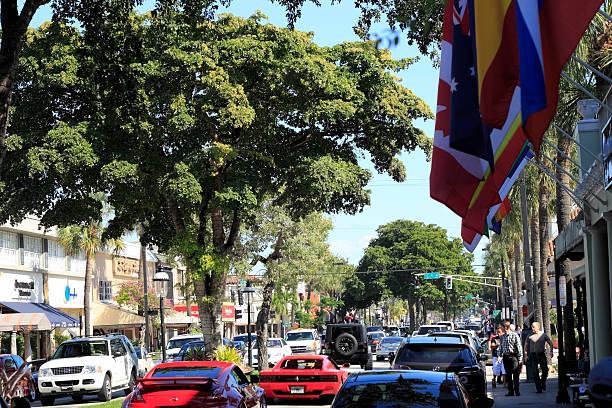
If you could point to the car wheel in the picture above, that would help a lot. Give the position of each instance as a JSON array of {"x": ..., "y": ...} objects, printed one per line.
[
  {"x": 346, "y": 345},
  {"x": 20, "y": 403},
  {"x": 46, "y": 401},
  {"x": 106, "y": 393},
  {"x": 77, "y": 397},
  {"x": 131, "y": 384}
]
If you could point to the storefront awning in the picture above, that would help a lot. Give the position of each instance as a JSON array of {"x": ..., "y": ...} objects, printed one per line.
[
  {"x": 105, "y": 315},
  {"x": 24, "y": 321},
  {"x": 57, "y": 318}
]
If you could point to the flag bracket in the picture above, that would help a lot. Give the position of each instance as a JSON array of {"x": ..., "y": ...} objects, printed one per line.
[
  {"x": 586, "y": 91},
  {"x": 592, "y": 69},
  {"x": 563, "y": 186}
]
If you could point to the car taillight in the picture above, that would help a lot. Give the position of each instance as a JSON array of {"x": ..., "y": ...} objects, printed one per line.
[
  {"x": 328, "y": 378},
  {"x": 375, "y": 342},
  {"x": 136, "y": 397}
]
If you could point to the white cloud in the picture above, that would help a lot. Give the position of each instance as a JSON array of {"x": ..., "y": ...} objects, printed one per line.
[
  {"x": 343, "y": 248},
  {"x": 365, "y": 241}
]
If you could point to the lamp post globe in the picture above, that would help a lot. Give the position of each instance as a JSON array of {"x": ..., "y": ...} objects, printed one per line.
[
  {"x": 160, "y": 282},
  {"x": 249, "y": 290}
]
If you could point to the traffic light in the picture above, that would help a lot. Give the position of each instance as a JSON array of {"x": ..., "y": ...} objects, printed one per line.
[
  {"x": 233, "y": 295},
  {"x": 449, "y": 282},
  {"x": 238, "y": 313},
  {"x": 240, "y": 299}
]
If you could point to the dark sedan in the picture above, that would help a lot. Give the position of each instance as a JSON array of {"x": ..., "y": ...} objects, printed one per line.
[
  {"x": 402, "y": 388},
  {"x": 445, "y": 354},
  {"x": 194, "y": 384}
]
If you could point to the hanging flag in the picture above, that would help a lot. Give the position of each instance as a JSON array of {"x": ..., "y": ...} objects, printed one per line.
[
  {"x": 495, "y": 39},
  {"x": 548, "y": 33}
]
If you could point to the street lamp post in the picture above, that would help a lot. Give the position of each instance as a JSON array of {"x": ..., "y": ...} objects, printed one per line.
[
  {"x": 161, "y": 280},
  {"x": 249, "y": 290}
]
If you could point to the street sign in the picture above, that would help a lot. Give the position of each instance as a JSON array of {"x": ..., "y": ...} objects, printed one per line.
[
  {"x": 562, "y": 291},
  {"x": 431, "y": 275},
  {"x": 228, "y": 312},
  {"x": 243, "y": 282},
  {"x": 496, "y": 313}
]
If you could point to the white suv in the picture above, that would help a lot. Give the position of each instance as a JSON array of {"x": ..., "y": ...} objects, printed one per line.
[
  {"x": 304, "y": 341},
  {"x": 89, "y": 365}
]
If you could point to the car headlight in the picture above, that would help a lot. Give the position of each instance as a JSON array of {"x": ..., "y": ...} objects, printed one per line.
[
  {"x": 45, "y": 372},
  {"x": 89, "y": 369}
]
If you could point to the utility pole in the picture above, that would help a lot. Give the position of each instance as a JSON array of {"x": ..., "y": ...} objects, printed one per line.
[
  {"x": 526, "y": 253},
  {"x": 503, "y": 296},
  {"x": 143, "y": 259}
]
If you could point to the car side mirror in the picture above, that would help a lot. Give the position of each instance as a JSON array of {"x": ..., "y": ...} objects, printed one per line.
[{"x": 254, "y": 379}]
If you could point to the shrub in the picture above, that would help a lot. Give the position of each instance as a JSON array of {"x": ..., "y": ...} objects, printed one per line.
[{"x": 228, "y": 354}]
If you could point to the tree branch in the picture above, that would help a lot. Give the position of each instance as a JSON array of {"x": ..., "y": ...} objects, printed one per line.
[
  {"x": 234, "y": 230},
  {"x": 276, "y": 253},
  {"x": 175, "y": 214}
]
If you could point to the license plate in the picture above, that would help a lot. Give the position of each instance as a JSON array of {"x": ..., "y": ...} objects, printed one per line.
[
  {"x": 297, "y": 390},
  {"x": 66, "y": 388}
]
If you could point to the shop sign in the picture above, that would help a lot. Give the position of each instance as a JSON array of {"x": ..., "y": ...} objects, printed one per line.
[
  {"x": 68, "y": 294},
  {"x": 24, "y": 288},
  {"x": 552, "y": 292},
  {"x": 125, "y": 266},
  {"x": 562, "y": 291},
  {"x": 228, "y": 312}
]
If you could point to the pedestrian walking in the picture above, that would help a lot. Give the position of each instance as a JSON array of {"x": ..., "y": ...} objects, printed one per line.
[
  {"x": 499, "y": 373},
  {"x": 511, "y": 352},
  {"x": 535, "y": 355}
]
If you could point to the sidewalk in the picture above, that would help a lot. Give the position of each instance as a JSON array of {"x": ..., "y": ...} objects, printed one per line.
[{"x": 528, "y": 397}]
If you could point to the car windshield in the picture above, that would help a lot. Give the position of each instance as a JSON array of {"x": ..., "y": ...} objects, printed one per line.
[
  {"x": 272, "y": 343},
  {"x": 178, "y": 343},
  {"x": 416, "y": 393},
  {"x": 430, "y": 353},
  {"x": 426, "y": 329},
  {"x": 178, "y": 371},
  {"x": 306, "y": 335},
  {"x": 375, "y": 336},
  {"x": 391, "y": 340},
  {"x": 302, "y": 364},
  {"x": 82, "y": 349}
]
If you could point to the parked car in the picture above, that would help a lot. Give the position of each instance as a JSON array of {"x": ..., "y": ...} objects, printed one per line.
[
  {"x": 277, "y": 349},
  {"x": 405, "y": 331},
  {"x": 145, "y": 362},
  {"x": 402, "y": 388},
  {"x": 26, "y": 388},
  {"x": 373, "y": 339},
  {"x": 196, "y": 383},
  {"x": 391, "y": 330},
  {"x": 34, "y": 366},
  {"x": 177, "y": 342},
  {"x": 89, "y": 365},
  {"x": 425, "y": 329},
  {"x": 303, "y": 377},
  {"x": 304, "y": 341},
  {"x": 244, "y": 338},
  {"x": 445, "y": 354},
  {"x": 449, "y": 325},
  {"x": 347, "y": 343},
  {"x": 387, "y": 348}
]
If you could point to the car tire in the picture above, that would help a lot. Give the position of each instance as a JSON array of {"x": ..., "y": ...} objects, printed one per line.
[
  {"x": 20, "y": 403},
  {"x": 106, "y": 392},
  {"x": 47, "y": 401},
  {"x": 346, "y": 339},
  {"x": 77, "y": 397},
  {"x": 131, "y": 384}
]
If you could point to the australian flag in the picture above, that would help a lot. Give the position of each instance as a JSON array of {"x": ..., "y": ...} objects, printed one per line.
[{"x": 467, "y": 132}]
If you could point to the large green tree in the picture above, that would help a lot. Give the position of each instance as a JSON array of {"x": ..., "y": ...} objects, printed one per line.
[
  {"x": 190, "y": 125},
  {"x": 402, "y": 250}
]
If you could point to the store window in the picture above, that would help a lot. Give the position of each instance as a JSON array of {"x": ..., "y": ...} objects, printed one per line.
[
  {"x": 106, "y": 290},
  {"x": 32, "y": 251},
  {"x": 56, "y": 256},
  {"x": 9, "y": 248}
]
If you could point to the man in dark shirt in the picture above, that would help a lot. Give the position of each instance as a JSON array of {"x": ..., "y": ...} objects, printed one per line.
[
  {"x": 535, "y": 354},
  {"x": 511, "y": 352}
]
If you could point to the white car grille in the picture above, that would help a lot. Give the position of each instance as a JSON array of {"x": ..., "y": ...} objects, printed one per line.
[{"x": 67, "y": 370}]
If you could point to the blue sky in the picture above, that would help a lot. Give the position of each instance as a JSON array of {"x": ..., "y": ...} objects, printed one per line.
[{"x": 389, "y": 200}]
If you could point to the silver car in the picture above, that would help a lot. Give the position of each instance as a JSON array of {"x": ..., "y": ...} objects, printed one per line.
[{"x": 388, "y": 346}]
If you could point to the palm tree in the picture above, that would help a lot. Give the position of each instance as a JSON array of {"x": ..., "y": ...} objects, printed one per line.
[{"x": 87, "y": 239}]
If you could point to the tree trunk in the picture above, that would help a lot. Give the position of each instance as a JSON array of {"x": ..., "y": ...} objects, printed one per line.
[
  {"x": 535, "y": 252},
  {"x": 89, "y": 264},
  {"x": 261, "y": 327},
  {"x": 518, "y": 283},
  {"x": 543, "y": 200},
  {"x": 209, "y": 291},
  {"x": 563, "y": 207}
]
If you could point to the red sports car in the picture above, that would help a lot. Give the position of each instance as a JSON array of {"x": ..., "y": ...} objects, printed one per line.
[
  {"x": 303, "y": 377},
  {"x": 196, "y": 384}
]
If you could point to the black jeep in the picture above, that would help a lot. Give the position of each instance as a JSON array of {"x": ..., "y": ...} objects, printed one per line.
[{"x": 348, "y": 343}]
